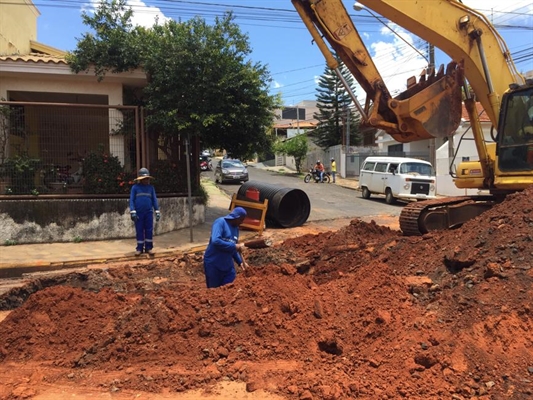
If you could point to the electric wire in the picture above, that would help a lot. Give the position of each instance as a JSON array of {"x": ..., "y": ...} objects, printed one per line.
[{"x": 285, "y": 18}]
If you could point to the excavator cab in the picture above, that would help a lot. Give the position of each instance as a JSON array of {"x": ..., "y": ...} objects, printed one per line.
[
  {"x": 515, "y": 137},
  {"x": 512, "y": 151}
]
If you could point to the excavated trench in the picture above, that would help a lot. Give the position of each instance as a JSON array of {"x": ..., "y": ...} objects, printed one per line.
[{"x": 361, "y": 311}]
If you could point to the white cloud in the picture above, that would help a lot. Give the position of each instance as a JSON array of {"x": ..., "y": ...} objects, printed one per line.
[
  {"x": 143, "y": 15},
  {"x": 396, "y": 58},
  {"x": 396, "y": 61},
  {"x": 146, "y": 16},
  {"x": 276, "y": 85}
]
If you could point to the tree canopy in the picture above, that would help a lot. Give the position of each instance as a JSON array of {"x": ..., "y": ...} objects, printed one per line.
[
  {"x": 333, "y": 103},
  {"x": 295, "y": 147},
  {"x": 200, "y": 79}
]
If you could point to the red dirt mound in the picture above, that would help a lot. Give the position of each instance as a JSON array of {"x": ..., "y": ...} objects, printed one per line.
[{"x": 361, "y": 312}]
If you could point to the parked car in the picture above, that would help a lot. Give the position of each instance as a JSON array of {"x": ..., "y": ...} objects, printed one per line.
[{"x": 231, "y": 171}]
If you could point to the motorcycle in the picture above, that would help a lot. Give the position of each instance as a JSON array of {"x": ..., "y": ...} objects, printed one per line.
[
  {"x": 205, "y": 165},
  {"x": 315, "y": 175}
]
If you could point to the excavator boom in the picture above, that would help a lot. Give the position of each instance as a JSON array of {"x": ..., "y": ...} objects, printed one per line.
[{"x": 428, "y": 108}]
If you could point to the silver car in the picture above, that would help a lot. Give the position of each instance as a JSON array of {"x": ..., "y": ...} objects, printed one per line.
[{"x": 231, "y": 171}]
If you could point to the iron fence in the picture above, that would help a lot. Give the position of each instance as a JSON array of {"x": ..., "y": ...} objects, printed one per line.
[
  {"x": 64, "y": 148},
  {"x": 44, "y": 147}
]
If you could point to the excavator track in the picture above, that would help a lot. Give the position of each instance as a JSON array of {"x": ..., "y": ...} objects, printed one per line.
[{"x": 421, "y": 217}]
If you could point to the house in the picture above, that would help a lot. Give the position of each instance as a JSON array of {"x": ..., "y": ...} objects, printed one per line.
[
  {"x": 461, "y": 148},
  {"x": 55, "y": 117},
  {"x": 33, "y": 72},
  {"x": 291, "y": 121},
  {"x": 300, "y": 119}
]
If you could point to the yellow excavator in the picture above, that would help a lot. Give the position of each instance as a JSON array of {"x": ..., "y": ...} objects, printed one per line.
[{"x": 481, "y": 70}]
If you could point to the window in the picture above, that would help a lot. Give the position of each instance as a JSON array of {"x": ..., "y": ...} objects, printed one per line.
[
  {"x": 369, "y": 166},
  {"x": 416, "y": 169},
  {"x": 381, "y": 167},
  {"x": 393, "y": 168},
  {"x": 395, "y": 150}
]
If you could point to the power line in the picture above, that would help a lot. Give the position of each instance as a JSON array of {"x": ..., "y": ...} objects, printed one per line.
[{"x": 285, "y": 18}]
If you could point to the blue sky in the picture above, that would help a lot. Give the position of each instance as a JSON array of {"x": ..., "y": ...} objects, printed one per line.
[{"x": 280, "y": 40}]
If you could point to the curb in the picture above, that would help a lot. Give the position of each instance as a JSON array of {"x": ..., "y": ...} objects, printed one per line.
[{"x": 14, "y": 270}]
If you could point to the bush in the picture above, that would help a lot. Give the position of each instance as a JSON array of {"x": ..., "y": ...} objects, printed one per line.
[
  {"x": 168, "y": 178},
  {"x": 21, "y": 171},
  {"x": 104, "y": 174}
]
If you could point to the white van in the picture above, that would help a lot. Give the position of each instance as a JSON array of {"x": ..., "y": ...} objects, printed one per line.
[{"x": 397, "y": 178}]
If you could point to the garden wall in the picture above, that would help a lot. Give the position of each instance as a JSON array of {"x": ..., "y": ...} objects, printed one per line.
[{"x": 82, "y": 219}]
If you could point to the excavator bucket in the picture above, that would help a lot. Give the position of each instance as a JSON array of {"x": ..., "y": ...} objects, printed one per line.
[{"x": 431, "y": 107}]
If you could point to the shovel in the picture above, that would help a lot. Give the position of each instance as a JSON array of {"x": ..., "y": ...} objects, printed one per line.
[
  {"x": 260, "y": 243},
  {"x": 243, "y": 262}
]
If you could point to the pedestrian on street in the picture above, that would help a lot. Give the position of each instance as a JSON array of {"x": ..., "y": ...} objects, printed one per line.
[
  {"x": 223, "y": 250},
  {"x": 143, "y": 202},
  {"x": 333, "y": 169}
]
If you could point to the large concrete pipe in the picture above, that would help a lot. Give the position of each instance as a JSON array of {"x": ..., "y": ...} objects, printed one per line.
[{"x": 287, "y": 207}]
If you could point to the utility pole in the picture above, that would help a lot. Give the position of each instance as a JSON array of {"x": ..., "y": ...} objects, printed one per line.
[
  {"x": 297, "y": 120},
  {"x": 433, "y": 141},
  {"x": 347, "y": 128},
  {"x": 344, "y": 168}
]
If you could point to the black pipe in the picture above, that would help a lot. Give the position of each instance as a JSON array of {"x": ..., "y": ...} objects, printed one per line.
[{"x": 287, "y": 207}]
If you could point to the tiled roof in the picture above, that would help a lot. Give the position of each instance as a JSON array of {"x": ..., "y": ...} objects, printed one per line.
[
  {"x": 483, "y": 117},
  {"x": 34, "y": 58}
]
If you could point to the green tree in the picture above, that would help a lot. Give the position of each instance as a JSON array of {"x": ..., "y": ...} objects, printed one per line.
[
  {"x": 295, "y": 147},
  {"x": 201, "y": 81},
  {"x": 332, "y": 100},
  {"x": 115, "y": 46}
]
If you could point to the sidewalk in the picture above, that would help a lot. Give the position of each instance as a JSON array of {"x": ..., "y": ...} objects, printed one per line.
[{"x": 24, "y": 258}]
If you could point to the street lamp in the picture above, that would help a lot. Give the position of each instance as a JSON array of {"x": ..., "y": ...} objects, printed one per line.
[{"x": 358, "y": 7}]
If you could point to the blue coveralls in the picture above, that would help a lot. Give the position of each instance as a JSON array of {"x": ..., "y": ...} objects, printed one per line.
[
  {"x": 221, "y": 253},
  {"x": 144, "y": 201}
]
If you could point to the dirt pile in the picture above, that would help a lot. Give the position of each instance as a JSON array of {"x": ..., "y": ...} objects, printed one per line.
[{"x": 361, "y": 312}]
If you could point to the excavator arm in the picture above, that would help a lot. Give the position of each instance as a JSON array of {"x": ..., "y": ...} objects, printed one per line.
[{"x": 430, "y": 107}]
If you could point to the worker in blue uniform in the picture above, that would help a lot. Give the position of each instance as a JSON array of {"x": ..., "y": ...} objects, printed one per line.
[
  {"x": 223, "y": 250},
  {"x": 143, "y": 202}
]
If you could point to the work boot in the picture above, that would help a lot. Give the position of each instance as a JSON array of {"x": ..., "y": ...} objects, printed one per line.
[
  {"x": 138, "y": 253},
  {"x": 151, "y": 252}
]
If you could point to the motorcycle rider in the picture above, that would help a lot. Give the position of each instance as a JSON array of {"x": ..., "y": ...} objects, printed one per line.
[{"x": 319, "y": 170}]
